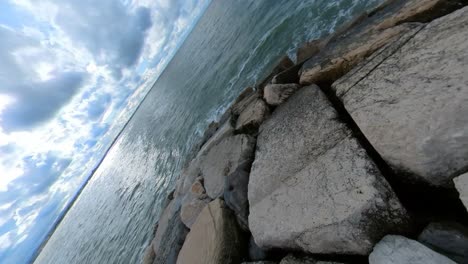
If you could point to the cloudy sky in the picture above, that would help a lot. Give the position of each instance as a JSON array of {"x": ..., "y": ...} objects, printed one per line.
[{"x": 71, "y": 72}]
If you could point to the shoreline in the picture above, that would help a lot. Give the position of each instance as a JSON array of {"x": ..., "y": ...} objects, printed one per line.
[{"x": 264, "y": 184}]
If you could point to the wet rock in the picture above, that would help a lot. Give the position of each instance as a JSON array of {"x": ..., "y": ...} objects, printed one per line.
[
  {"x": 214, "y": 237},
  {"x": 313, "y": 188},
  {"x": 169, "y": 236},
  {"x": 224, "y": 159},
  {"x": 412, "y": 105},
  {"x": 148, "y": 256},
  {"x": 276, "y": 94},
  {"x": 449, "y": 239},
  {"x": 400, "y": 250},
  {"x": 252, "y": 116},
  {"x": 461, "y": 183},
  {"x": 309, "y": 49}
]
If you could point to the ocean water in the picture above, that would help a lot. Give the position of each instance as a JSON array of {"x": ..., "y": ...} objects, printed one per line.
[{"x": 234, "y": 45}]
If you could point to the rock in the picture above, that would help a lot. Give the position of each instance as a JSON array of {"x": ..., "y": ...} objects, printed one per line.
[
  {"x": 255, "y": 252},
  {"x": 366, "y": 34},
  {"x": 291, "y": 259},
  {"x": 224, "y": 159},
  {"x": 191, "y": 209},
  {"x": 313, "y": 188},
  {"x": 259, "y": 262},
  {"x": 290, "y": 75},
  {"x": 224, "y": 131},
  {"x": 284, "y": 63},
  {"x": 335, "y": 66},
  {"x": 400, "y": 250},
  {"x": 235, "y": 193},
  {"x": 449, "y": 239},
  {"x": 187, "y": 177},
  {"x": 197, "y": 187},
  {"x": 309, "y": 49},
  {"x": 243, "y": 100},
  {"x": 169, "y": 236},
  {"x": 253, "y": 115},
  {"x": 194, "y": 202},
  {"x": 214, "y": 238},
  {"x": 461, "y": 183},
  {"x": 276, "y": 94},
  {"x": 412, "y": 105},
  {"x": 148, "y": 256}
]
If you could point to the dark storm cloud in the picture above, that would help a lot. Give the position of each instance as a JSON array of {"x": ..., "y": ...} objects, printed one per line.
[
  {"x": 39, "y": 101},
  {"x": 109, "y": 30}
]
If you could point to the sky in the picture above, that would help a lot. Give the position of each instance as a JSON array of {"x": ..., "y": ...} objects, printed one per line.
[{"x": 71, "y": 73}]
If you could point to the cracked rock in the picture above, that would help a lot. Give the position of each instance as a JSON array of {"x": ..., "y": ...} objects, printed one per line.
[
  {"x": 312, "y": 187},
  {"x": 214, "y": 238},
  {"x": 412, "y": 105},
  {"x": 276, "y": 94}
]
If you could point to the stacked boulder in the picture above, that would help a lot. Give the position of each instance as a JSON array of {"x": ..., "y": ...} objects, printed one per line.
[{"x": 310, "y": 166}]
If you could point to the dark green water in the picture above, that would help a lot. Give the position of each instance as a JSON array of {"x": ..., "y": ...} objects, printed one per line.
[{"x": 234, "y": 45}]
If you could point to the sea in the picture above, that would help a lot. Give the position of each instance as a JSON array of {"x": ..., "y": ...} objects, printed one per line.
[{"x": 235, "y": 44}]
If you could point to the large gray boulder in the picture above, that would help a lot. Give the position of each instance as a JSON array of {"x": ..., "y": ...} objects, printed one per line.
[
  {"x": 169, "y": 236},
  {"x": 224, "y": 159},
  {"x": 214, "y": 238},
  {"x": 401, "y": 250},
  {"x": 412, "y": 103},
  {"x": 449, "y": 239},
  {"x": 312, "y": 187},
  {"x": 461, "y": 183},
  {"x": 223, "y": 132}
]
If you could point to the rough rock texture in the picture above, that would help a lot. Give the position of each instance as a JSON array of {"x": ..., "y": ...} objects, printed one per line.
[
  {"x": 339, "y": 64},
  {"x": 170, "y": 235},
  {"x": 283, "y": 64},
  {"x": 413, "y": 105},
  {"x": 214, "y": 238},
  {"x": 312, "y": 187},
  {"x": 290, "y": 75},
  {"x": 400, "y": 250},
  {"x": 252, "y": 116},
  {"x": 461, "y": 183},
  {"x": 243, "y": 100},
  {"x": 291, "y": 259},
  {"x": 194, "y": 202},
  {"x": 276, "y": 94},
  {"x": 148, "y": 256},
  {"x": 366, "y": 34},
  {"x": 309, "y": 49},
  {"x": 224, "y": 159},
  {"x": 223, "y": 132},
  {"x": 449, "y": 239},
  {"x": 235, "y": 193}
]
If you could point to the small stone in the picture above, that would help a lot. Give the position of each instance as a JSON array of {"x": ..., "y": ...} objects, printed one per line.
[
  {"x": 401, "y": 250},
  {"x": 276, "y": 94},
  {"x": 197, "y": 188}
]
